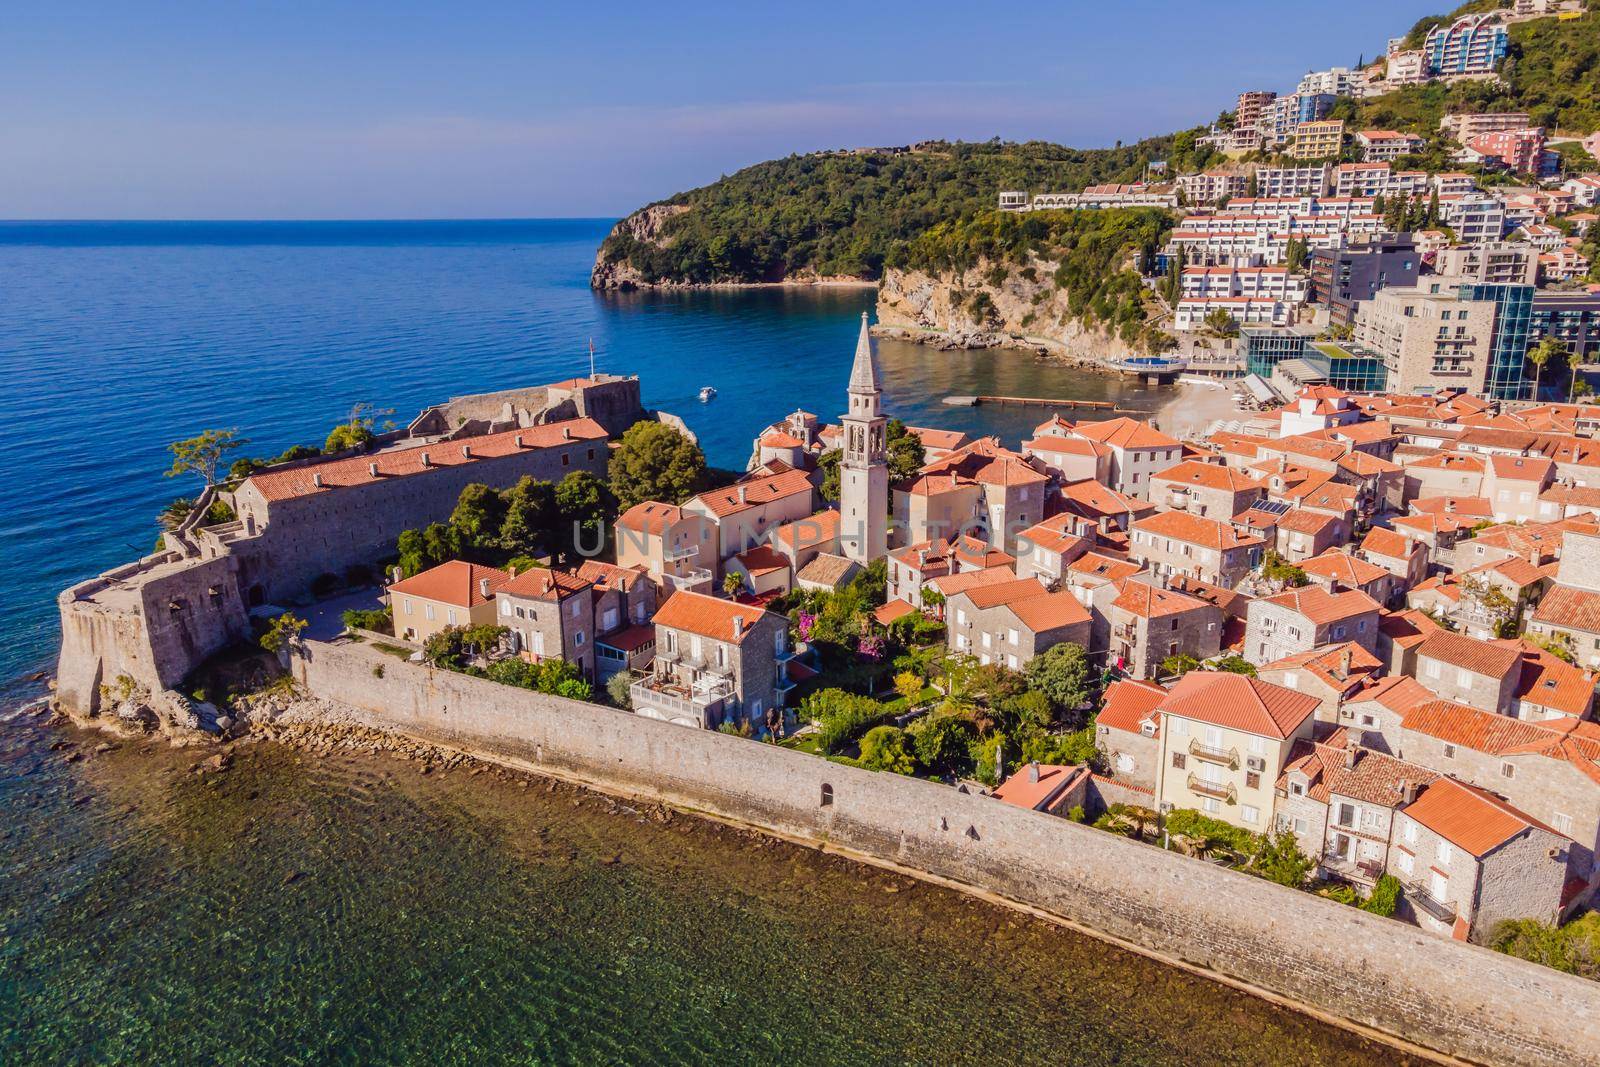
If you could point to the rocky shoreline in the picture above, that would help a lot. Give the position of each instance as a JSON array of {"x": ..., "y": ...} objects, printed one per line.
[{"x": 976, "y": 340}]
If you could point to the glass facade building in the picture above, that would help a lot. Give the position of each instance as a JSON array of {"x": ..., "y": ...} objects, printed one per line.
[
  {"x": 1267, "y": 346},
  {"x": 1508, "y": 376}
]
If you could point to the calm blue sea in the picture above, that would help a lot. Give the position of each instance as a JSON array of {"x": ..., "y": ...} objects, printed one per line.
[{"x": 117, "y": 338}]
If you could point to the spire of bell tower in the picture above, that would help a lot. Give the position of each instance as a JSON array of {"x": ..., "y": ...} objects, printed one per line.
[{"x": 864, "y": 372}]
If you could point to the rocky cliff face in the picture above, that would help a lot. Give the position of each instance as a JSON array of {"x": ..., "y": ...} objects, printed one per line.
[
  {"x": 644, "y": 225},
  {"x": 967, "y": 309}
]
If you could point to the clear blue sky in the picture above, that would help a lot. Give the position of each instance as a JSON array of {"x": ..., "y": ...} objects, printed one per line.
[{"x": 492, "y": 109}]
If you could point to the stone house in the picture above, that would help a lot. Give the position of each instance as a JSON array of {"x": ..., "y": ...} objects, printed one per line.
[
  {"x": 1067, "y": 456},
  {"x": 1513, "y": 484},
  {"x": 1172, "y": 543},
  {"x": 828, "y": 572},
  {"x": 1224, "y": 741},
  {"x": 982, "y": 490},
  {"x": 1095, "y": 580},
  {"x": 1304, "y": 534},
  {"x": 1447, "y": 474},
  {"x": 678, "y": 549},
  {"x": 1340, "y": 800},
  {"x": 1011, "y": 622},
  {"x": 716, "y": 662},
  {"x": 742, "y": 515},
  {"x": 1138, "y": 452},
  {"x": 1480, "y": 674},
  {"x": 1551, "y": 770},
  {"x": 1332, "y": 674},
  {"x": 1090, "y": 509},
  {"x": 1570, "y": 611},
  {"x": 455, "y": 593},
  {"x": 1405, "y": 559},
  {"x": 550, "y": 616},
  {"x": 1128, "y": 730},
  {"x": 1050, "y": 788},
  {"x": 1299, "y": 620},
  {"x": 913, "y": 567},
  {"x": 804, "y": 539},
  {"x": 1045, "y": 550},
  {"x": 1400, "y": 634},
  {"x": 1148, "y": 624},
  {"x": 1470, "y": 860},
  {"x": 1372, "y": 713},
  {"x": 1336, "y": 569},
  {"x": 1205, "y": 489}
]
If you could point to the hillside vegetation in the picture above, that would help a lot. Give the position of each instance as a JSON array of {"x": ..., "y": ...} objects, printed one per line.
[{"x": 848, "y": 214}]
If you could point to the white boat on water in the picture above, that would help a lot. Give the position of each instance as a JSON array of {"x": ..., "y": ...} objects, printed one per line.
[{"x": 707, "y": 393}]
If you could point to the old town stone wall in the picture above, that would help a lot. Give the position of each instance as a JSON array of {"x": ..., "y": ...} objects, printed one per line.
[{"x": 1340, "y": 961}]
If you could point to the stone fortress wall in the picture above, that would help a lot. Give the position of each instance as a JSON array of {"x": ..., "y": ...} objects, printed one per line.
[
  {"x": 155, "y": 620},
  {"x": 1339, "y": 961}
]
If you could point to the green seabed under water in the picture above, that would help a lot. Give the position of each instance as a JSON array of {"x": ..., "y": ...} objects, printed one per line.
[{"x": 293, "y": 909}]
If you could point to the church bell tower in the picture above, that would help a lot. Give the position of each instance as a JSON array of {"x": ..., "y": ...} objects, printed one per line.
[{"x": 864, "y": 466}]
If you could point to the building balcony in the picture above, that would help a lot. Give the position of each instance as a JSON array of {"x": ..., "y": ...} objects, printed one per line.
[
  {"x": 696, "y": 579},
  {"x": 1227, "y": 757},
  {"x": 1215, "y": 790},
  {"x": 701, "y": 702},
  {"x": 672, "y": 555},
  {"x": 1366, "y": 870},
  {"x": 1426, "y": 902}
]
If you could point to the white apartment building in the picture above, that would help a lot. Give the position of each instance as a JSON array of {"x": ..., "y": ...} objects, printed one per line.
[
  {"x": 1311, "y": 179},
  {"x": 1191, "y": 314},
  {"x": 1274, "y": 283}
]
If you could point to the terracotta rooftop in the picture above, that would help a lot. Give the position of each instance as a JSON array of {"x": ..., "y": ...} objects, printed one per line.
[
  {"x": 1196, "y": 530},
  {"x": 951, "y": 584},
  {"x": 708, "y": 616},
  {"x": 652, "y": 517},
  {"x": 1321, "y": 606},
  {"x": 1093, "y": 564},
  {"x": 753, "y": 492},
  {"x": 1036, "y": 786},
  {"x": 1398, "y": 693},
  {"x": 1570, "y": 608},
  {"x": 1209, "y": 476},
  {"x": 1307, "y": 522},
  {"x": 1035, "y": 606},
  {"x": 1480, "y": 657},
  {"x": 1522, "y": 468},
  {"x": 1468, "y": 817},
  {"x": 1125, "y": 433},
  {"x": 1408, "y": 628},
  {"x": 1129, "y": 704},
  {"x": 1387, "y": 543},
  {"x": 828, "y": 569},
  {"x": 813, "y": 530},
  {"x": 1238, "y": 702},
  {"x": 1150, "y": 602},
  {"x": 892, "y": 610},
  {"x": 763, "y": 559},
  {"x": 1339, "y": 566},
  {"x": 455, "y": 582},
  {"x": 1052, "y": 534},
  {"x": 1551, "y": 682},
  {"x": 1329, "y": 664},
  {"x": 407, "y": 462}
]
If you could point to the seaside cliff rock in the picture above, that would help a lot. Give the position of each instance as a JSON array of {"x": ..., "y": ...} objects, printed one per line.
[{"x": 965, "y": 309}]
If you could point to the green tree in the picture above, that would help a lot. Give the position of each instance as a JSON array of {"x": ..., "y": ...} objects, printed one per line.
[
  {"x": 1235, "y": 665},
  {"x": 909, "y": 685},
  {"x": 1277, "y": 569},
  {"x": 528, "y": 528},
  {"x": 1295, "y": 254},
  {"x": 478, "y": 516},
  {"x": 1385, "y": 898},
  {"x": 585, "y": 508},
  {"x": 283, "y": 632},
  {"x": 733, "y": 584},
  {"x": 655, "y": 462},
  {"x": 421, "y": 549},
  {"x": 884, "y": 749},
  {"x": 828, "y": 464},
  {"x": 356, "y": 431},
  {"x": 619, "y": 689},
  {"x": 203, "y": 453},
  {"x": 1064, "y": 674},
  {"x": 1221, "y": 324},
  {"x": 943, "y": 742},
  {"x": 906, "y": 455},
  {"x": 1176, "y": 666},
  {"x": 1280, "y": 860}
]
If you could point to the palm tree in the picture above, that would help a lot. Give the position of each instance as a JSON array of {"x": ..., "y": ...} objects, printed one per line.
[{"x": 1543, "y": 353}]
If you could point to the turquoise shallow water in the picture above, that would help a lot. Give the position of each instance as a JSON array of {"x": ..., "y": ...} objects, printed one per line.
[
  {"x": 311, "y": 910},
  {"x": 117, "y": 338}
]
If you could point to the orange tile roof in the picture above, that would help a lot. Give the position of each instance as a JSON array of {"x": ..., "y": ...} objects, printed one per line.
[
  {"x": 1469, "y": 654},
  {"x": 938, "y": 439},
  {"x": 544, "y": 583},
  {"x": 1407, "y": 628},
  {"x": 951, "y": 584},
  {"x": 1151, "y": 602},
  {"x": 407, "y": 462},
  {"x": 1451, "y": 461},
  {"x": 1238, "y": 702},
  {"x": 1570, "y": 608},
  {"x": 1209, "y": 476},
  {"x": 708, "y": 616},
  {"x": 1123, "y": 432},
  {"x": 1522, "y": 468},
  {"x": 1232, "y": 603},
  {"x": 1055, "y": 443},
  {"x": 1327, "y": 663},
  {"x": 1307, "y": 522},
  {"x": 1096, "y": 565},
  {"x": 1398, "y": 693},
  {"x": 1037, "y": 608},
  {"x": 1342, "y": 567},
  {"x": 779, "y": 439},
  {"x": 1129, "y": 704},
  {"x": 892, "y": 610},
  {"x": 1023, "y": 791},
  {"x": 1361, "y": 774},
  {"x": 1365, "y": 465},
  {"x": 1052, "y": 534},
  {"x": 1468, "y": 817},
  {"x": 1196, "y": 530},
  {"x": 1320, "y": 606},
  {"x": 763, "y": 559},
  {"x": 1387, "y": 543},
  {"x": 652, "y": 517},
  {"x": 817, "y": 529},
  {"x": 453, "y": 582},
  {"x": 1551, "y": 682},
  {"x": 610, "y": 576},
  {"x": 754, "y": 492}
]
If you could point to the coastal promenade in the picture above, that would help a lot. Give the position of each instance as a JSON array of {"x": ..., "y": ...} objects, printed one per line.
[{"x": 1334, "y": 961}]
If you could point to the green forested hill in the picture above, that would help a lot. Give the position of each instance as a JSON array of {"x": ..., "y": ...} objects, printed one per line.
[{"x": 848, "y": 213}]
